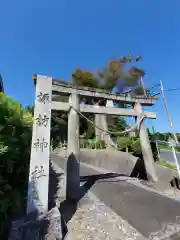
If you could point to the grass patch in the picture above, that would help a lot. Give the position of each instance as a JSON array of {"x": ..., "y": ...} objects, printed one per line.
[{"x": 166, "y": 164}]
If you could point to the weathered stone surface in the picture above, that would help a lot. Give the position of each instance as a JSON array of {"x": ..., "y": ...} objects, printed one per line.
[
  {"x": 100, "y": 93},
  {"x": 46, "y": 226},
  {"x": 146, "y": 147},
  {"x": 40, "y": 148},
  {"x": 94, "y": 220}
]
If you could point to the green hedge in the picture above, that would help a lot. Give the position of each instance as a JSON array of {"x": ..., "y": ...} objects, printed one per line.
[
  {"x": 132, "y": 145},
  {"x": 125, "y": 144},
  {"x": 177, "y": 148},
  {"x": 93, "y": 144},
  {"x": 15, "y": 142},
  {"x": 128, "y": 144}
]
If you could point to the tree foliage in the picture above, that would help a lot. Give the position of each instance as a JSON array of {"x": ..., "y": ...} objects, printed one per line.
[
  {"x": 59, "y": 126},
  {"x": 85, "y": 79},
  {"x": 116, "y": 124},
  {"x": 162, "y": 136},
  {"x": 121, "y": 72},
  {"x": 118, "y": 72},
  {"x": 15, "y": 143}
]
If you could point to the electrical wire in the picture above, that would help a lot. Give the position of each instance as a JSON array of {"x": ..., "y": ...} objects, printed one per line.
[
  {"x": 167, "y": 90},
  {"x": 172, "y": 89}
]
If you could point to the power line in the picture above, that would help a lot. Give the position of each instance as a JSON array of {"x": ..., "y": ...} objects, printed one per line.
[
  {"x": 167, "y": 90},
  {"x": 172, "y": 126},
  {"x": 156, "y": 94},
  {"x": 172, "y": 89},
  {"x": 168, "y": 113}
]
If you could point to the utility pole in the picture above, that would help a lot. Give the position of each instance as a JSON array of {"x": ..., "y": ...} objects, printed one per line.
[
  {"x": 167, "y": 110},
  {"x": 172, "y": 126}
]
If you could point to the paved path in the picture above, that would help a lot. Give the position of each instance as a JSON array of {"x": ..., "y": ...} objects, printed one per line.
[
  {"x": 167, "y": 155},
  {"x": 91, "y": 218},
  {"x": 145, "y": 210}
]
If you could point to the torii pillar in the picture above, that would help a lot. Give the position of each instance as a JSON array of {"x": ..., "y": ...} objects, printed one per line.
[
  {"x": 146, "y": 147},
  {"x": 73, "y": 165}
]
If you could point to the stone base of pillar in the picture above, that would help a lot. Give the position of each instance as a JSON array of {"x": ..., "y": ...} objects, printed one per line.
[
  {"x": 47, "y": 226},
  {"x": 73, "y": 178}
]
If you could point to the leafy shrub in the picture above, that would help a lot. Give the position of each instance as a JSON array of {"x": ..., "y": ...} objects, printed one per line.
[
  {"x": 133, "y": 145},
  {"x": 15, "y": 142},
  {"x": 91, "y": 145},
  {"x": 136, "y": 147},
  {"x": 83, "y": 143},
  {"x": 121, "y": 143},
  {"x": 177, "y": 148},
  {"x": 100, "y": 144},
  {"x": 124, "y": 144}
]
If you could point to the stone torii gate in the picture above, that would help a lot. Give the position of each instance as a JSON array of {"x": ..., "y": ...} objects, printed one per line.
[{"x": 47, "y": 90}]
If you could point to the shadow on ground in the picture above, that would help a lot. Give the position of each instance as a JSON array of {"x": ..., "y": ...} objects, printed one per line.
[
  {"x": 139, "y": 170},
  {"x": 53, "y": 186},
  {"x": 69, "y": 206}
]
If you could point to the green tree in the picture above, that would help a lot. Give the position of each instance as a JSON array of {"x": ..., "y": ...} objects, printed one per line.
[
  {"x": 167, "y": 136},
  {"x": 15, "y": 143},
  {"x": 59, "y": 127},
  {"x": 116, "y": 69},
  {"x": 87, "y": 79},
  {"x": 30, "y": 109},
  {"x": 84, "y": 79},
  {"x": 116, "y": 124}
]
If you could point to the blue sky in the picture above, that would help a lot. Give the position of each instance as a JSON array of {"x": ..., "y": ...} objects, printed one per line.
[{"x": 55, "y": 37}]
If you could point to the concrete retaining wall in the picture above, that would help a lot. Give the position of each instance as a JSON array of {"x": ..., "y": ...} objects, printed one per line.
[
  {"x": 111, "y": 160},
  {"x": 120, "y": 162}
]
